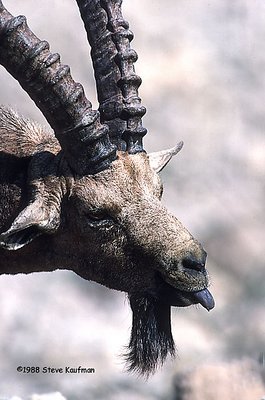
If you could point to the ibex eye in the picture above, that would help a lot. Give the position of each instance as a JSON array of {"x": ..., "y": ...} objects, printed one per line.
[{"x": 98, "y": 219}]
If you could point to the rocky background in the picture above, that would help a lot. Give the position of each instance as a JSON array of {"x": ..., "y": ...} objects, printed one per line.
[{"x": 203, "y": 69}]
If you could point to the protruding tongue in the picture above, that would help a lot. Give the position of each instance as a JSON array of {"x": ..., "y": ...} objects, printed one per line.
[{"x": 205, "y": 298}]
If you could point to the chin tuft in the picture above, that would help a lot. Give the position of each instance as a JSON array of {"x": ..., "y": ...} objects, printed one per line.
[{"x": 151, "y": 339}]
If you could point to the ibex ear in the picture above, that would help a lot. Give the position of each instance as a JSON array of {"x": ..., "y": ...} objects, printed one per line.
[
  {"x": 42, "y": 214},
  {"x": 159, "y": 159},
  {"x": 34, "y": 220}
]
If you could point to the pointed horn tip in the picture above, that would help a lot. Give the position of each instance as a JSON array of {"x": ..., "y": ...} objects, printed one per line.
[{"x": 177, "y": 148}]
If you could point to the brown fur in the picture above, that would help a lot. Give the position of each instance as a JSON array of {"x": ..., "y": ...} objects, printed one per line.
[
  {"x": 110, "y": 227},
  {"x": 22, "y": 137}
]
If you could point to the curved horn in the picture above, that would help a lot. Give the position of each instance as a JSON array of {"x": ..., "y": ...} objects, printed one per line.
[
  {"x": 113, "y": 59},
  {"x": 83, "y": 139},
  {"x": 107, "y": 73}
]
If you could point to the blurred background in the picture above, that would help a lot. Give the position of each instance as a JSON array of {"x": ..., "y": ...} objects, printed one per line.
[{"x": 203, "y": 69}]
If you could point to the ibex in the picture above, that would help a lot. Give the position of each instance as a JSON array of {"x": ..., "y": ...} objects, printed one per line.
[{"x": 86, "y": 197}]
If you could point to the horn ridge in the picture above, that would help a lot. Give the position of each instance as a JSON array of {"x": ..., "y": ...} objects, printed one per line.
[
  {"x": 62, "y": 101},
  {"x": 106, "y": 71},
  {"x": 129, "y": 82}
]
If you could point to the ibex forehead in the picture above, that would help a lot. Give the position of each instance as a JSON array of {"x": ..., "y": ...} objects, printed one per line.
[
  {"x": 128, "y": 178},
  {"x": 137, "y": 171},
  {"x": 129, "y": 183},
  {"x": 133, "y": 167}
]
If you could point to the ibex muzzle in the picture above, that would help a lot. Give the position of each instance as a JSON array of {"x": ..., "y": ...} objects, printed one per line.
[{"x": 88, "y": 198}]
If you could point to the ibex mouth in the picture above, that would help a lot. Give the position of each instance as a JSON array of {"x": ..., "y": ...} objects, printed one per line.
[
  {"x": 180, "y": 298},
  {"x": 184, "y": 299}
]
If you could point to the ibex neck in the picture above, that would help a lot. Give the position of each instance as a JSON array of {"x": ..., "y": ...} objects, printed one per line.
[{"x": 35, "y": 257}]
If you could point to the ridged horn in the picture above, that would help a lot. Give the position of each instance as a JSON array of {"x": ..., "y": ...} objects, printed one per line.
[
  {"x": 107, "y": 73},
  {"x": 62, "y": 101},
  {"x": 113, "y": 59}
]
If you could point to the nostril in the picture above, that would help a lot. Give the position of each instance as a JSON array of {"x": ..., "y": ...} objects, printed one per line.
[{"x": 193, "y": 264}]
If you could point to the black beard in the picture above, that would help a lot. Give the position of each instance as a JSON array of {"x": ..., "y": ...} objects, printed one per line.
[{"x": 151, "y": 339}]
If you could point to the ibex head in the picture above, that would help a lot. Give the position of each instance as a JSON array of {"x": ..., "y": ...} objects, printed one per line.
[{"x": 88, "y": 198}]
